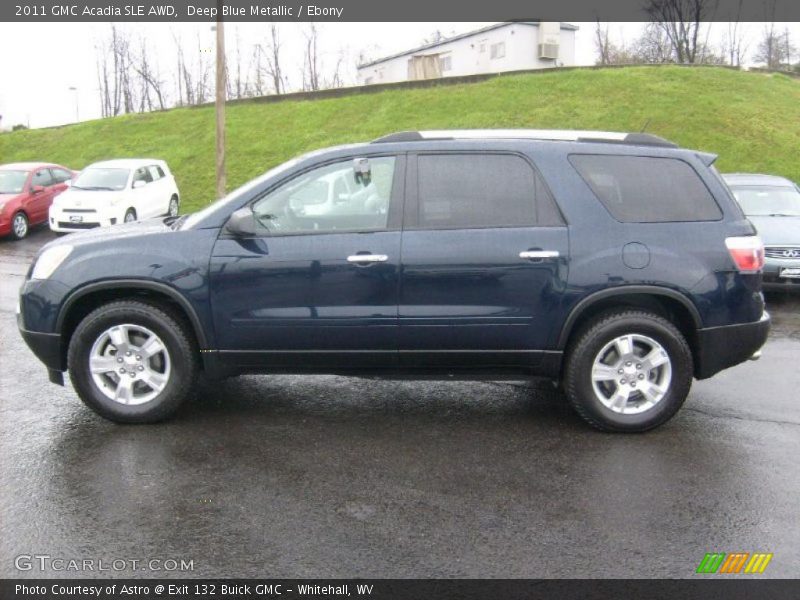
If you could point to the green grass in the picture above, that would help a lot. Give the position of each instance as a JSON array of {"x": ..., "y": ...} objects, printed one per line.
[{"x": 751, "y": 120}]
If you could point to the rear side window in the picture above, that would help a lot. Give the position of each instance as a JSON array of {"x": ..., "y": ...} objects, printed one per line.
[
  {"x": 641, "y": 189},
  {"x": 470, "y": 191}
]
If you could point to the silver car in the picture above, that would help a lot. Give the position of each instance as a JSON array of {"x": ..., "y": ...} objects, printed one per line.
[{"x": 773, "y": 205}]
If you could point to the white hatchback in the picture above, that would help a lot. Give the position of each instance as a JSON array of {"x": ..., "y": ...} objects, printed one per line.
[{"x": 115, "y": 191}]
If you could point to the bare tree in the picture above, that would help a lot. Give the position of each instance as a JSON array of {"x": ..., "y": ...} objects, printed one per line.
[
  {"x": 653, "y": 46},
  {"x": 150, "y": 79},
  {"x": 735, "y": 45},
  {"x": 273, "y": 57},
  {"x": 311, "y": 60},
  {"x": 602, "y": 43},
  {"x": 681, "y": 21},
  {"x": 775, "y": 49}
]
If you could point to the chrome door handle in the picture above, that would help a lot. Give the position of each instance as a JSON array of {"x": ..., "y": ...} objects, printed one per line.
[
  {"x": 367, "y": 258},
  {"x": 539, "y": 254}
]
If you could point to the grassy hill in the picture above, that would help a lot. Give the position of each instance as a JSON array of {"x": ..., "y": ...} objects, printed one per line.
[{"x": 752, "y": 120}]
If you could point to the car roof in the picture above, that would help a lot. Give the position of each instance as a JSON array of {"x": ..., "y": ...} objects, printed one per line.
[
  {"x": 126, "y": 163},
  {"x": 27, "y": 166},
  {"x": 557, "y": 135},
  {"x": 756, "y": 179}
]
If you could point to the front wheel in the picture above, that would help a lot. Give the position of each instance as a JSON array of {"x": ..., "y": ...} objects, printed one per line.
[
  {"x": 19, "y": 226},
  {"x": 628, "y": 371},
  {"x": 132, "y": 362}
]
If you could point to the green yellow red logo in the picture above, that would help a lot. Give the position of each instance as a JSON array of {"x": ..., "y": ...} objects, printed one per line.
[{"x": 734, "y": 562}]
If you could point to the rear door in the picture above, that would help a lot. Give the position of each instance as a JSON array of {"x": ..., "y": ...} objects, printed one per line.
[
  {"x": 316, "y": 288},
  {"x": 39, "y": 202},
  {"x": 484, "y": 262}
]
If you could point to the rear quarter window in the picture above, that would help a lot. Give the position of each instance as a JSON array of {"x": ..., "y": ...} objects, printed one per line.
[{"x": 643, "y": 189}]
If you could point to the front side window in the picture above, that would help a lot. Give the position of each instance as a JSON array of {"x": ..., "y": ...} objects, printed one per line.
[
  {"x": 476, "y": 191},
  {"x": 336, "y": 197},
  {"x": 142, "y": 174},
  {"x": 768, "y": 200},
  {"x": 42, "y": 177},
  {"x": 101, "y": 179},
  {"x": 643, "y": 189}
]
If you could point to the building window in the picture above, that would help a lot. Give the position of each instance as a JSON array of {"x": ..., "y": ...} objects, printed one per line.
[
  {"x": 482, "y": 48},
  {"x": 446, "y": 63},
  {"x": 498, "y": 50},
  {"x": 368, "y": 81}
]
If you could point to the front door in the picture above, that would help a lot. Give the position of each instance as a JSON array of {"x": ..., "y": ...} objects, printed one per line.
[
  {"x": 39, "y": 202},
  {"x": 484, "y": 263},
  {"x": 317, "y": 287}
]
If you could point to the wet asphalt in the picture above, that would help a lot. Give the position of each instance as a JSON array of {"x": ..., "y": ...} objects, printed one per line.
[{"x": 336, "y": 477}]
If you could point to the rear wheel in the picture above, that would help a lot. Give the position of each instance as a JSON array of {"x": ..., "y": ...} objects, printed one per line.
[
  {"x": 628, "y": 370},
  {"x": 19, "y": 226},
  {"x": 132, "y": 362},
  {"x": 130, "y": 216}
]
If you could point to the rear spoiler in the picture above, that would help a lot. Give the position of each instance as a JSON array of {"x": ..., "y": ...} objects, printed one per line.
[{"x": 706, "y": 158}]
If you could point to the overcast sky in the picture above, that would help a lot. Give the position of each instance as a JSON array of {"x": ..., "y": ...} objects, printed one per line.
[{"x": 40, "y": 62}]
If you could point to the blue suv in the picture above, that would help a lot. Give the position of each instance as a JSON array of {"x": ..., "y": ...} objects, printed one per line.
[{"x": 618, "y": 265}]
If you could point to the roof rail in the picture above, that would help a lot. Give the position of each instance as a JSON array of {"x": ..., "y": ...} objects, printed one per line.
[{"x": 566, "y": 135}]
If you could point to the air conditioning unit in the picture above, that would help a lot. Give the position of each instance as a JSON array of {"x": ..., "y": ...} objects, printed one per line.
[{"x": 548, "y": 51}]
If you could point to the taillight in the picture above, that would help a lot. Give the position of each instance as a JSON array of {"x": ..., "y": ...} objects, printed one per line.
[{"x": 747, "y": 252}]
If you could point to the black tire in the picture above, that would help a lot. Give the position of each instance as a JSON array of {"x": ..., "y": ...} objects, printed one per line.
[
  {"x": 169, "y": 206},
  {"x": 594, "y": 337},
  {"x": 170, "y": 328},
  {"x": 27, "y": 226},
  {"x": 129, "y": 213}
]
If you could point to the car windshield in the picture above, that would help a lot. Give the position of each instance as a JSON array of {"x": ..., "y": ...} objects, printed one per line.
[
  {"x": 12, "y": 182},
  {"x": 97, "y": 178},
  {"x": 768, "y": 201}
]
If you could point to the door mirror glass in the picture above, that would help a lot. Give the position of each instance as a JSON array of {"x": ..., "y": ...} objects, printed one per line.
[
  {"x": 242, "y": 223},
  {"x": 362, "y": 171}
]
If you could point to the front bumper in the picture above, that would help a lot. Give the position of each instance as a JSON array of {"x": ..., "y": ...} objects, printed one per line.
[
  {"x": 719, "y": 348},
  {"x": 65, "y": 220},
  {"x": 772, "y": 279}
]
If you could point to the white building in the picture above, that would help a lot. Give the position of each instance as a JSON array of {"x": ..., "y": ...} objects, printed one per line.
[{"x": 494, "y": 49}]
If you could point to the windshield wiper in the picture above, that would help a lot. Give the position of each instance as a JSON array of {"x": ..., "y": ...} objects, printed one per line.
[{"x": 93, "y": 188}]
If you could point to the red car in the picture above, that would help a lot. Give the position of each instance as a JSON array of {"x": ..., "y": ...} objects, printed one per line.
[{"x": 26, "y": 193}]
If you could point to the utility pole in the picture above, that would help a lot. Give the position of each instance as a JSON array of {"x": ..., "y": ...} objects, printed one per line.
[
  {"x": 77, "y": 114},
  {"x": 220, "y": 103}
]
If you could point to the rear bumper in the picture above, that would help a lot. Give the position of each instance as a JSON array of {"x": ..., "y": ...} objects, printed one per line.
[{"x": 719, "y": 348}]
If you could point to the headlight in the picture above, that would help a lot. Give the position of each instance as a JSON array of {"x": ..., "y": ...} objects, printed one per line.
[{"x": 49, "y": 260}]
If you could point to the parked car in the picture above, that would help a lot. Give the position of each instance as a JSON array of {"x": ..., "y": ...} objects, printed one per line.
[
  {"x": 616, "y": 264},
  {"x": 773, "y": 205},
  {"x": 116, "y": 191},
  {"x": 26, "y": 192}
]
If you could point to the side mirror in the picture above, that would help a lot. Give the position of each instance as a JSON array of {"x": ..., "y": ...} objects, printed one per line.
[
  {"x": 362, "y": 170},
  {"x": 37, "y": 189},
  {"x": 138, "y": 183},
  {"x": 242, "y": 223}
]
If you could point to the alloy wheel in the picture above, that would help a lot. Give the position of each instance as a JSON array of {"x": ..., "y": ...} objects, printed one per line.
[
  {"x": 129, "y": 364},
  {"x": 631, "y": 374}
]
